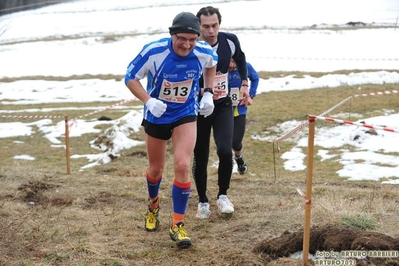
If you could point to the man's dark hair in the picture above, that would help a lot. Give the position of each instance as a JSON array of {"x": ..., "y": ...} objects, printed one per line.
[{"x": 209, "y": 11}]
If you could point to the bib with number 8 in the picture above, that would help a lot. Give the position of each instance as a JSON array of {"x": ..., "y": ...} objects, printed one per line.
[{"x": 235, "y": 95}]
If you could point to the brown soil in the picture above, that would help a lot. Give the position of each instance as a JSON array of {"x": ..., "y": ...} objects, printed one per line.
[
  {"x": 329, "y": 239},
  {"x": 271, "y": 252}
]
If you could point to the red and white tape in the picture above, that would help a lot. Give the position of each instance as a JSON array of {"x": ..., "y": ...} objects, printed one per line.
[
  {"x": 106, "y": 108},
  {"x": 52, "y": 116},
  {"x": 353, "y": 123},
  {"x": 73, "y": 121},
  {"x": 376, "y": 93},
  {"x": 30, "y": 116},
  {"x": 333, "y": 59},
  {"x": 306, "y": 123}
]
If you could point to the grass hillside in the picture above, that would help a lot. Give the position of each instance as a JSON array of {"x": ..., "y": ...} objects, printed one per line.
[{"x": 96, "y": 216}]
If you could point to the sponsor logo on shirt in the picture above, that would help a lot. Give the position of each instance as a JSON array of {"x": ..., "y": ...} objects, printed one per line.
[{"x": 169, "y": 76}]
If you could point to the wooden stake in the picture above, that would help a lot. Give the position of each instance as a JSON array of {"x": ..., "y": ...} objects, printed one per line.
[
  {"x": 308, "y": 196},
  {"x": 274, "y": 162},
  {"x": 68, "y": 162}
]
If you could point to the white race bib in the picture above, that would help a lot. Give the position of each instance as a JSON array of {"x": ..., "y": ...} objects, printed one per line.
[
  {"x": 235, "y": 95},
  {"x": 221, "y": 82},
  {"x": 175, "y": 92}
]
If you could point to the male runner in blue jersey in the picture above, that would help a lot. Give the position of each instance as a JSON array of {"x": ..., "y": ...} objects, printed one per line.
[
  {"x": 173, "y": 67},
  {"x": 240, "y": 111},
  {"x": 227, "y": 46}
]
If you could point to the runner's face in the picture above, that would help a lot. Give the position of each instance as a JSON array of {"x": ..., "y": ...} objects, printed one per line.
[
  {"x": 210, "y": 28},
  {"x": 183, "y": 43},
  {"x": 232, "y": 65}
]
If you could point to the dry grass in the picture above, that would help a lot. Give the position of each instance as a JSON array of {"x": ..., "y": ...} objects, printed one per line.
[{"x": 96, "y": 216}]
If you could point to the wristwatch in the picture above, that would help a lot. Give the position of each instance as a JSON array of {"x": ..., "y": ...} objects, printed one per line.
[{"x": 208, "y": 90}]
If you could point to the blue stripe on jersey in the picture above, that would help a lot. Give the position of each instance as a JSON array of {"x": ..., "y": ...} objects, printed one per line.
[{"x": 158, "y": 61}]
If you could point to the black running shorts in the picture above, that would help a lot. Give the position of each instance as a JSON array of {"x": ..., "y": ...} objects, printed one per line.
[{"x": 165, "y": 131}]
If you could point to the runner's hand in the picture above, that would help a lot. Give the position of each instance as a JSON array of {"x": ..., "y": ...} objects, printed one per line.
[
  {"x": 245, "y": 98},
  {"x": 206, "y": 104},
  {"x": 156, "y": 107}
]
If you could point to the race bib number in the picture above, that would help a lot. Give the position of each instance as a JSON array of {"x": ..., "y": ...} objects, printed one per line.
[
  {"x": 221, "y": 83},
  {"x": 175, "y": 92},
  {"x": 235, "y": 95}
]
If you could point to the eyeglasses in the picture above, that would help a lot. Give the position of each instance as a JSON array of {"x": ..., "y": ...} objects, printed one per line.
[{"x": 183, "y": 39}]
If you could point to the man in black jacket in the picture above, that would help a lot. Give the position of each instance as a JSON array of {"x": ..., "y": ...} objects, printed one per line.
[{"x": 227, "y": 46}]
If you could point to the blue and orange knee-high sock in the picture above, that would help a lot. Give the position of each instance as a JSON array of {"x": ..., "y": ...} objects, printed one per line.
[
  {"x": 153, "y": 191},
  {"x": 180, "y": 196}
]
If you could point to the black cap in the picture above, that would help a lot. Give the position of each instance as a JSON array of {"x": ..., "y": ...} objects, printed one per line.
[{"x": 185, "y": 22}]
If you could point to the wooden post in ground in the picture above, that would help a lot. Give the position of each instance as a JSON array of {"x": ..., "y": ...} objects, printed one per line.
[
  {"x": 308, "y": 196},
  {"x": 68, "y": 162}
]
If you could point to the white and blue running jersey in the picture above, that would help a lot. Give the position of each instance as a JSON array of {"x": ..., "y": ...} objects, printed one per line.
[{"x": 171, "y": 78}]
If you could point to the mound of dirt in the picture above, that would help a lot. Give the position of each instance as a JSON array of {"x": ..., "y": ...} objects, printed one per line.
[{"x": 331, "y": 238}]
